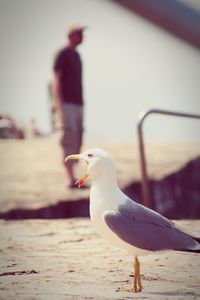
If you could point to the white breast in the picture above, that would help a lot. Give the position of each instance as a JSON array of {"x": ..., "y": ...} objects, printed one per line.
[{"x": 99, "y": 204}]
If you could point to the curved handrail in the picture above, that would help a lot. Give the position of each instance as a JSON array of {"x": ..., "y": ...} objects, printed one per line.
[{"x": 141, "y": 117}]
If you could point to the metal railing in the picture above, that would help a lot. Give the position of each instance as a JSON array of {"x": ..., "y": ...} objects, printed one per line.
[{"x": 142, "y": 116}]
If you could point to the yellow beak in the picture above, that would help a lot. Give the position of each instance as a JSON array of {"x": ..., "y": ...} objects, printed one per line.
[
  {"x": 74, "y": 156},
  {"x": 82, "y": 180}
]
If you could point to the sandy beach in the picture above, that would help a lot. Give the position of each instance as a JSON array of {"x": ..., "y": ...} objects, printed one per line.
[
  {"x": 32, "y": 174},
  {"x": 65, "y": 258}
]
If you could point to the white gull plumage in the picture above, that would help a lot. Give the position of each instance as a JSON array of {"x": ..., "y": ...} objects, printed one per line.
[{"x": 125, "y": 223}]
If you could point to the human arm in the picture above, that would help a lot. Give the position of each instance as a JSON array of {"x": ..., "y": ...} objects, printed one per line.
[{"x": 56, "y": 91}]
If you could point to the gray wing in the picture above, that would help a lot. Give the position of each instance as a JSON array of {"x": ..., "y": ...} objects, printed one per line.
[
  {"x": 131, "y": 209},
  {"x": 146, "y": 229}
]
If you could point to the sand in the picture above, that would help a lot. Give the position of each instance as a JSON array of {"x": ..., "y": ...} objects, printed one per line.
[
  {"x": 32, "y": 173},
  {"x": 65, "y": 258}
]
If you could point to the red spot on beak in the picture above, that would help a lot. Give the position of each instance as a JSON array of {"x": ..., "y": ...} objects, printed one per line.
[{"x": 80, "y": 182}]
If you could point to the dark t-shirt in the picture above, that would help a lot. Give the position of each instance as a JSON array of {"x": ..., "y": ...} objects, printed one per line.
[{"x": 68, "y": 64}]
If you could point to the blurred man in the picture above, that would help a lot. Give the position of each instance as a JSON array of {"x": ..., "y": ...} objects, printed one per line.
[{"x": 67, "y": 87}]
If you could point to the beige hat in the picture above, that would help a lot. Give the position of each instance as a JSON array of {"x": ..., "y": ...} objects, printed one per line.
[{"x": 75, "y": 29}]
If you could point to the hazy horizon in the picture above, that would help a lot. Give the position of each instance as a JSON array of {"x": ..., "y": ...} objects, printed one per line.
[{"x": 129, "y": 65}]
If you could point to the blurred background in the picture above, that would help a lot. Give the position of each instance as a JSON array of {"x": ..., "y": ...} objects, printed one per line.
[{"x": 136, "y": 55}]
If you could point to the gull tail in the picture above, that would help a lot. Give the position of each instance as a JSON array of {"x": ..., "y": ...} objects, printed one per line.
[
  {"x": 195, "y": 248},
  {"x": 197, "y": 239},
  {"x": 191, "y": 250}
]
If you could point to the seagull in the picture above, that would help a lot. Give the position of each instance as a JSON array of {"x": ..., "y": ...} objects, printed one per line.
[{"x": 125, "y": 223}]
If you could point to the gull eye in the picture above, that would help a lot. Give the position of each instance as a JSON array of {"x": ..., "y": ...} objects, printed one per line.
[{"x": 90, "y": 155}]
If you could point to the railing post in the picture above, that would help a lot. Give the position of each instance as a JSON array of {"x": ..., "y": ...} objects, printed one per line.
[
  {"x": 145, "y": 184},
  {"x": 146, "y": 194}
]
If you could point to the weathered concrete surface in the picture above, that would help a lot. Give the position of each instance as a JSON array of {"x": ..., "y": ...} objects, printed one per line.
[
  {"x": 65, "y": 259},
  {"x": 32, "y": 175}
]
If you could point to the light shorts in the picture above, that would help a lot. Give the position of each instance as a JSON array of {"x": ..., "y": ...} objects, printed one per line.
[{"x": 72, "y": 122}]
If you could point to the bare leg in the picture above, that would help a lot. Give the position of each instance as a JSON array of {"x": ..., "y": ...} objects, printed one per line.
[
  {"x": 137, "y": 286},
  {"x": 137, "y": 279}
]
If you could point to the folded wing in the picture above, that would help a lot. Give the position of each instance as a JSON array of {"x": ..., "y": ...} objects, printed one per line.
[{"x": 146, "y": 229}]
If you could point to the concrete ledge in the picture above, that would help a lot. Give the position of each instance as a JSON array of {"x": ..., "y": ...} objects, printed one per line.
[{"x": 33, "y": 180}]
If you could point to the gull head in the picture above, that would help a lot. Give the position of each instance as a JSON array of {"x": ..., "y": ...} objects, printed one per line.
[{"x": 99, "y": 164}]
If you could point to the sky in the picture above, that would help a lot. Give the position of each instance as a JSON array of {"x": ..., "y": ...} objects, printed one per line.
[{"x": 129, "y": 65}]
